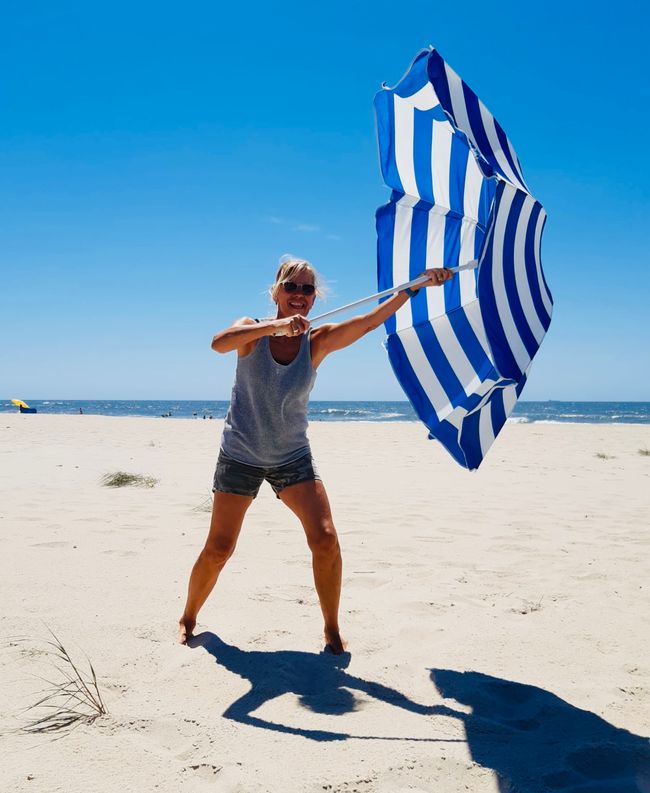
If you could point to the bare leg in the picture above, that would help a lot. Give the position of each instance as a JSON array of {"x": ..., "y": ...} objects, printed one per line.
[
  {"x": 228, "y": 512},
  {"x": 308, "y": 500}
]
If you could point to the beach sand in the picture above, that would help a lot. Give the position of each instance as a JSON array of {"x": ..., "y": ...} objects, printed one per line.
[{"x": 498, "y": 621}]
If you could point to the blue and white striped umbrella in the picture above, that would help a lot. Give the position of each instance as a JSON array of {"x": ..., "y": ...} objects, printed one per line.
[{"x": 461, "y": 352}]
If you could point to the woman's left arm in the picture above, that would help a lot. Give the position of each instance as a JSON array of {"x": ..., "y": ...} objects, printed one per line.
[{"x": 336, "y": 336}]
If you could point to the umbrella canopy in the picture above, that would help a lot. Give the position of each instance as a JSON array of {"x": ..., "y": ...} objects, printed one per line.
[{"x": 461, "y": 352}]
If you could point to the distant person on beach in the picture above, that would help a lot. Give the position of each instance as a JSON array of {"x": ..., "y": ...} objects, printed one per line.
[{"x": 265, "y": 433}]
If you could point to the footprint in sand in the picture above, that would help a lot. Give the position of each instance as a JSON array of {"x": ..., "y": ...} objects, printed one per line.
[
  {"x": 53, "y": 544},
  {"x": 366, "y": 579},
  {"x": 589, "y": 577},
  {"x": 203, "y": 770},
  {"x": 149, "y": 636},
  {"x": 263, "y": 638}
]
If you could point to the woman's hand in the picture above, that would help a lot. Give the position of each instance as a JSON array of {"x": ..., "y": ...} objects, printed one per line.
[
  {"x": 437, "y": 277},
  {"x": 290, "y": 326}
]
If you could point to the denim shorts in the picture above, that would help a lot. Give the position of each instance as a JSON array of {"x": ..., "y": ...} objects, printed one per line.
[{"x": 231, "y": 476}]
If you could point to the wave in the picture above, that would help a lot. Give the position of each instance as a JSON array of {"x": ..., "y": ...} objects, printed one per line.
[
  {"x": 344, "y": 412},
  {"x": 549, "y": 412}
]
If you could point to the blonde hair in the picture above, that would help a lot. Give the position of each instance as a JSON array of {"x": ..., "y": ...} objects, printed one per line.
[{"x": 291, "y": 266}]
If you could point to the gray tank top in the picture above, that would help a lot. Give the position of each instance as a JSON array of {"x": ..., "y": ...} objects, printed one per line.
[{"x": 266, "y": 424}]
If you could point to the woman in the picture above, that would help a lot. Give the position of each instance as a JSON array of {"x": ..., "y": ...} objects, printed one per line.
[{"x": 265, "y": 436}]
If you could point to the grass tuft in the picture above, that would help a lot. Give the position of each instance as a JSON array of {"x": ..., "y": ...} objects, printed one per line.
[
  {"x": 124, "y": 479},
  {"x": 71, "y": 698},
  {"x": 603, "y": 456},
  {"x": 204, "y": 506},
  {"x": 644, "y": 452},
  {"x": 529, "y": 607}
]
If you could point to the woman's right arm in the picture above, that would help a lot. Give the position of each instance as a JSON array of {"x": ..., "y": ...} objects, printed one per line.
[{"x": 242, "y": 334}]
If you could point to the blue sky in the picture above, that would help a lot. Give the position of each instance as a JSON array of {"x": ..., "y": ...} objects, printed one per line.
[{"x": 157, "y": 159}]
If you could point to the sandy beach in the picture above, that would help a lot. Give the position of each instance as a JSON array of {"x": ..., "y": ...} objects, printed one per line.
[{"x": 498, "y": 621}]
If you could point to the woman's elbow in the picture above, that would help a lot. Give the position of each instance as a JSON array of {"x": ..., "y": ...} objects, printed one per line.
[{"x": 218, "y": 344}]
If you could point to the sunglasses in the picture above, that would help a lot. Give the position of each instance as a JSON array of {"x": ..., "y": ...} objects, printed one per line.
[{"x": 291, "y": 286}]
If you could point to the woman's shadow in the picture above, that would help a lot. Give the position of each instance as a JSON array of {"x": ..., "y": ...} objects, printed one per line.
[
  {"x": 318, "y": 680},
  {"x": 536, "y": 741},
  {"x": 532, "y": 739}
]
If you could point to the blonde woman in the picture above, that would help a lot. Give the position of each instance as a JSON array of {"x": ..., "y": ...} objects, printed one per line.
[{"x": 265, "y": 433}]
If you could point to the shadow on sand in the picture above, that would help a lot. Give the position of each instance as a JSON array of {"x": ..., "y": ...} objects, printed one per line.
[
  {"x": 318, "y": 680},
  {"x": 535, "y": 741}
]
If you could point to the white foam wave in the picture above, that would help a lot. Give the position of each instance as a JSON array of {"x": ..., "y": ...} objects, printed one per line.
[{"x": 345, "y": 411}]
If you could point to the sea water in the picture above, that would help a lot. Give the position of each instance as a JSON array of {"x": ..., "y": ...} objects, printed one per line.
[{"x": 549, "y": 412}]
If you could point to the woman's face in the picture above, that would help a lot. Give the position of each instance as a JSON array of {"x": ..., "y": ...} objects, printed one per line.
[{"x": 292, "y": 300}]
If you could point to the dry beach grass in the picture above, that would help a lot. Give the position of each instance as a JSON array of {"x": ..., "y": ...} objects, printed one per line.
[
  {"x": 71, "y": 696},
  {"x": 125, "y": 479}
]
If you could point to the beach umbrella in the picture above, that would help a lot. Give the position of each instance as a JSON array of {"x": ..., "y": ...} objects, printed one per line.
[
  {"x": 461, "y": 352},
  {"x": 23, "y": 406}
]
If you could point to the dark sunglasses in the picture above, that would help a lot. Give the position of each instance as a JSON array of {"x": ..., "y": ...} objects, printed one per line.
[{"x": 291, "y": 286}]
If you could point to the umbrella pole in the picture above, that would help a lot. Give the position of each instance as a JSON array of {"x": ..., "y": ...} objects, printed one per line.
[{"x": 392, "y": 291}]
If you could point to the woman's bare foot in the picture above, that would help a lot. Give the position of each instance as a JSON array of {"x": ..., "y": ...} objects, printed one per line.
[
  {"x": 185, "y": 629},
  {"x": 334, "y": 643}
]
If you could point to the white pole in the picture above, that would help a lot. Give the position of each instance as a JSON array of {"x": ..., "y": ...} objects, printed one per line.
[{"x": 393, "y": 290}]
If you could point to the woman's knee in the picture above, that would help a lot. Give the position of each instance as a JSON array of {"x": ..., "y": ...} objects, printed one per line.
[
  {"x": 323, "y": 540},
  {"x": 217, "y": 552}
]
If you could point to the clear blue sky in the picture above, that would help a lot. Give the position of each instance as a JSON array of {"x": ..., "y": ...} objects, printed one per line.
[{"x": 157, "y": 158}]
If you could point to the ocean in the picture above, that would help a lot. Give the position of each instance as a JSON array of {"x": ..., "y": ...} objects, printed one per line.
[{"x": 552, "y": 412}]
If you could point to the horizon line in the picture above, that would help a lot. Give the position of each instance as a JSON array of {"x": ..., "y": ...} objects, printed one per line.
[{"x": 213, "y": 399}]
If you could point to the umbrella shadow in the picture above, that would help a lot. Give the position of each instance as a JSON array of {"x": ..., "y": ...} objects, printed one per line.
[
  {"x": 535, "y": 741},
  {"x": 319, "y": 680}
]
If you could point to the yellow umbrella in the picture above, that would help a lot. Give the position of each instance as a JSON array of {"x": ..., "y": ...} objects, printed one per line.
[{"x": 19, "y": 403}]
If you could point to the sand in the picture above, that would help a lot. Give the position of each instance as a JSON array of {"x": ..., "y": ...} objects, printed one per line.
[{"x": 498, "y": 621}]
